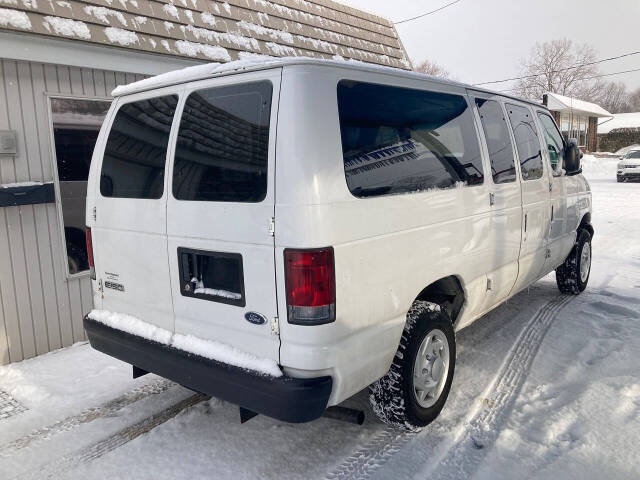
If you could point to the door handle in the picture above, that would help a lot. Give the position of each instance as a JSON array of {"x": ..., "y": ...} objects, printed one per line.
[
  {"x": 492, "y": 199},
  {"x": 525, "y": 222},
  {"x": 552, "y": 213}
]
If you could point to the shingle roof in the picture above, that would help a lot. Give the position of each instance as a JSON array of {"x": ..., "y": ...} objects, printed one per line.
[{"x": 212, "y": 30}]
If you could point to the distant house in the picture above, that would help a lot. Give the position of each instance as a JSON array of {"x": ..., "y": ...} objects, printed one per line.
[
  {"x": 618, "y": 132},
  {"x": 59, "y": 62},
  {"x": 576, "y": 118}
]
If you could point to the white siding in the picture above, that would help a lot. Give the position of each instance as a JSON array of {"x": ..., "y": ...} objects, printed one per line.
[{"x": 40, "y": 308}]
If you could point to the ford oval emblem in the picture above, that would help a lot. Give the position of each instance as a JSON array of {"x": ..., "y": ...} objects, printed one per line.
[{"x": 255, "y": 318}]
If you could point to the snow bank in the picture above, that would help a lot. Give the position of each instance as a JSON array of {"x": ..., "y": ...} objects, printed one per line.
[
  {"x": 205, "y": 348},
  {"x": 67, "y": 27},
  {"x": 132, "y": 325},
  {"x": 225, "y": 354},
  {"x": 120, "y": 36},
  {"x": 624, "y": 150},
  {"x": 192, "y": 49},
  {"x": 190, "y": 74},
  {"x": 218, "y": 293},
  {"x": 15, "y": 19}
]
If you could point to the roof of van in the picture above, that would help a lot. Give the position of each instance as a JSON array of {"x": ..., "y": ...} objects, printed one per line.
[{"x": 209, "y": 70}]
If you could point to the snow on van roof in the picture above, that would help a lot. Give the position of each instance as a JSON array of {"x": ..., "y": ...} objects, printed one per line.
[{"x": 253, "y": 62}]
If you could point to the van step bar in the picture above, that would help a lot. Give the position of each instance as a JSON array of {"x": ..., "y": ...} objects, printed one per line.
[{"x": 342, "y": 414}]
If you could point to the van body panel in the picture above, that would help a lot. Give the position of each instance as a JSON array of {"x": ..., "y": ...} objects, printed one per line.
[
  {"x": 129, "y": 237},
  {"x": 536, "y": 210},
  {"x": 387, "y": 248},
  {"x": 506, "y": 218},
  {"x": 228, "y": 227}
]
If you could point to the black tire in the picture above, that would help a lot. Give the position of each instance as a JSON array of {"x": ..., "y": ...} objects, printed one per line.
[
  {"x": 620, "y": 179},
  {"x": 568, "y": 274},
  {"x": 393, "y": 397},
  {"x": 76, "y": 258}
]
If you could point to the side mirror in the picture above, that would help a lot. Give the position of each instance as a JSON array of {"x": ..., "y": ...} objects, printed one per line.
[{"x": 572, "y": 156}]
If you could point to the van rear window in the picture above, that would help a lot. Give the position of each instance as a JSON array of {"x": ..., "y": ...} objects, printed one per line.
[
  {"x": 136, "y": 149},
  {"x": 399, "y": 140},
  {"x": 223, "y": 144}
]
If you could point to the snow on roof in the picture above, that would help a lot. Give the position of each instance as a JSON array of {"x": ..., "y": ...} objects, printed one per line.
[
  {"x": 560, "y": 103},
  {"x": 255, "y": 62},
  {"x": 215, "y": 30},
  {"x": 620, "y": 120}
]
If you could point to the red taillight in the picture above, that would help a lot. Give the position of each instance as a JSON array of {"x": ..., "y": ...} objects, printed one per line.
[
  {"x": 311, "y": 286},
  {"x": 92, "y": 268}
]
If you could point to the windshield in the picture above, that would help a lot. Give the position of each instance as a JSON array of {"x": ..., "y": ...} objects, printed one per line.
[{"x": 634, "y": 154}]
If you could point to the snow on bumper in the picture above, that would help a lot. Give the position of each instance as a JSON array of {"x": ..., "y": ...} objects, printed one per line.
[{"x": 284, "y": 398}]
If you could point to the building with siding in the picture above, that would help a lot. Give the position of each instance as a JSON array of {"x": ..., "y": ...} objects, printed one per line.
[
  {"x": 59, "y": 62},
  {"x": 576, "y": 118}
]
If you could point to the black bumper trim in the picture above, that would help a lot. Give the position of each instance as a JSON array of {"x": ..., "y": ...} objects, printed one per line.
[{"x": 294, "y": 400}]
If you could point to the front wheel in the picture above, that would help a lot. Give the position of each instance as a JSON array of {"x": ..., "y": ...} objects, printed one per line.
[
  {"x": 414, "y": 391},
  {"x": 573, "y": 275}
]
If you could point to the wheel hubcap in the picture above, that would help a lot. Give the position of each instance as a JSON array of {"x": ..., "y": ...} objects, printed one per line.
[
  {"x": 585, "y": 262},
  {"x": 431, "y": 368}
]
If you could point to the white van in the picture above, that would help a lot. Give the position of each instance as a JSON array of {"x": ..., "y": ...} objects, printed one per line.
[{"x": 282, "y": 234}]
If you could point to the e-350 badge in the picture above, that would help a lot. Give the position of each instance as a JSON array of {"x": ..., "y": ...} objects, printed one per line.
[{"x": 114, "y": 286}]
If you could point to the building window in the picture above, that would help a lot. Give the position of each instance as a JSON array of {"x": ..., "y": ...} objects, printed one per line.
[{"x": 76, "y": 123}]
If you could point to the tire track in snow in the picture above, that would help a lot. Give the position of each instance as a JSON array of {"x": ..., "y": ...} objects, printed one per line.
[
  {"x": 105, "y": 410},
  {"x": 97, "y": 450},
  {"x": 463, "y": 458},
  {"x": 471, "y": 442},
  {"x": 367, "y": 459}
]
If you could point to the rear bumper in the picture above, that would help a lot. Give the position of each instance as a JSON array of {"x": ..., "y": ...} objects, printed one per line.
[
  {"x": 635, "y": 175},
  {"x": 294, "y": 400}
]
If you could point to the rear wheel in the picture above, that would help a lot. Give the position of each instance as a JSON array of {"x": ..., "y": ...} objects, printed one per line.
[
  {"x": 573, "y": 275},
  {"x": 414, "y": 391}
]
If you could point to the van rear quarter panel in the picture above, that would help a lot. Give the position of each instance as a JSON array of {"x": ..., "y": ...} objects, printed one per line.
[{"x": 387, "y": 249}]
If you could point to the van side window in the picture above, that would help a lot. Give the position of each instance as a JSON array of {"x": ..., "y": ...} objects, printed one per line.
[
  {"x": 223, "y": 144},
  {"x": 399, "y": 140},
  {"x": 527, "y": 143},
  {"x": 136, "y": 149},
  {"x": 496, "y": 132},
  {"x": 553, "y": 137}
]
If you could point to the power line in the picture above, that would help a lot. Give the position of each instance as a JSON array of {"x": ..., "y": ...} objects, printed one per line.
[
  {"x": 585, "y": 78},
  {"x": 428, "y": 13},
  {"x": 558, "y": 71}
]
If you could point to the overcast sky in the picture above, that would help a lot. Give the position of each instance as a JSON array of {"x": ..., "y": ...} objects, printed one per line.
[{"x": 482, "y": 40}]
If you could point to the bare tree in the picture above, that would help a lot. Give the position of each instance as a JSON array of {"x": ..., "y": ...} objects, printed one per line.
[
  {"x": 558, "y": 66},
  {"x": 433, "y": 69},
  {"x": 634, "y": 101},
  {"x": 611, "y": 96}
]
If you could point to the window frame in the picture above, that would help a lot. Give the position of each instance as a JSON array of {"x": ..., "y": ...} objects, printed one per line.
[
  {"x": 436, "y": 88},
  {"x": 199, "y": 85},
  {"x": 49, "y": 96},
  {"x": 117, "y": 104},
  {"x": 554, "y": 173},
  {"x": 509, "y": 101},
  {"x": 483, "y": 141}
]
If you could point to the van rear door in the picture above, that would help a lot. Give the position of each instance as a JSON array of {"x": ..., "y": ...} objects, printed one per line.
[
  {"x": 129, "y": 225},
  {"x": 220, "y": 211}
]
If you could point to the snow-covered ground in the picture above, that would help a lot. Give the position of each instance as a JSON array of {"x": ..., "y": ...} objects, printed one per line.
[{"x": 546, "y": 386}]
